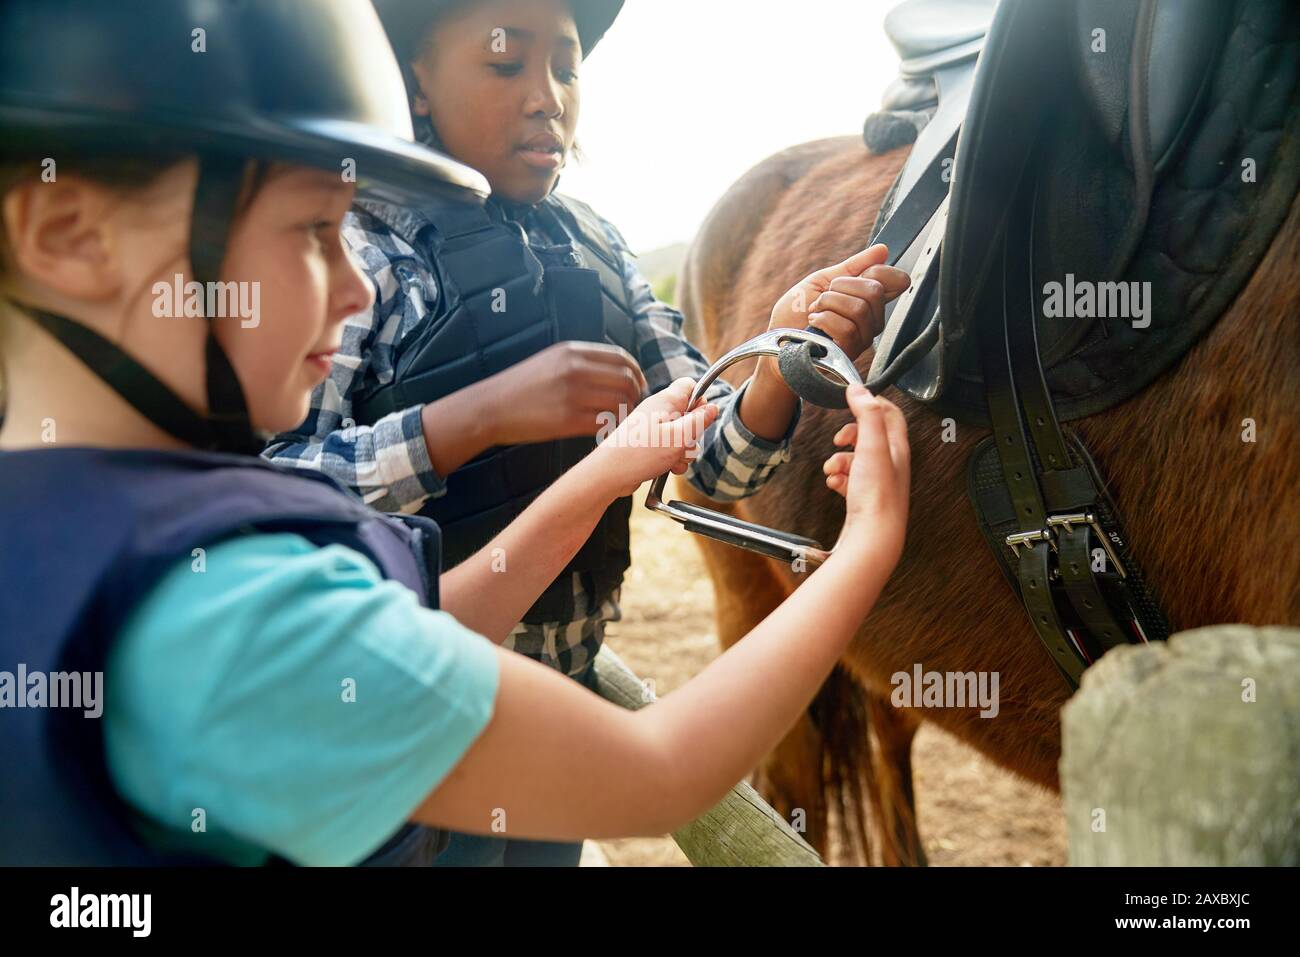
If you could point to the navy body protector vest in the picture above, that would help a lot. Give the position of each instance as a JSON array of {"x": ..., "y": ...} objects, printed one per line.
[
  {"x": 85, "y": 534},
  {"x": 503, "y": 299}
]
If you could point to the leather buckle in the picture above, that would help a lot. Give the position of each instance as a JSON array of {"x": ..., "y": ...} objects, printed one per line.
[
  {"x": 1020, "y": 540},
  {"x": 1067, "y": 523},
  {"x": 828, "y": 359}
]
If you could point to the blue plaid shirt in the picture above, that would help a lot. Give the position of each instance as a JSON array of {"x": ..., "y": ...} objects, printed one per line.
[{"x": 387, "y": 463}]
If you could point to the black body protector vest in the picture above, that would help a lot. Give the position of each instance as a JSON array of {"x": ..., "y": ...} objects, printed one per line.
[{"x": 504, "y": 298}]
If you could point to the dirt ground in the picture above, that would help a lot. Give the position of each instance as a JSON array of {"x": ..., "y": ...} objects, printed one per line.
[{"x": 971, "y": 812}]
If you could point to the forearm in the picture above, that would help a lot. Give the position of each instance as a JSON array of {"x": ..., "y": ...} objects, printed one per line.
[
  {"x": 490, "y": 591},
  {"x": 713, "y": 725},
  {"x": 457, "y": 427},
  {"x": 385, "y": 464},
  {"x": 768, "y": 404},
  {"x": 564, "y": 765},
  {"x": 731, "y": 462}
]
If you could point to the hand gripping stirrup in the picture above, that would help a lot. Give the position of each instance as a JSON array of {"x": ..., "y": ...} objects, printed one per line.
[{"x": 838, "y": 372}]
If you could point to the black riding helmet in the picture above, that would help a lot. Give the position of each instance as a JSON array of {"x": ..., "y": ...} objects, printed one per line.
[
  {"x": 408, "y": 22},
  {"x": 308, "y": 82}
]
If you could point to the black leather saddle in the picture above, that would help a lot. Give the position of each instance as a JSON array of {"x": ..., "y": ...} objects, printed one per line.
[
  {"x": 1082, "y": 202},
  {"x": 1130, "y": 120}
]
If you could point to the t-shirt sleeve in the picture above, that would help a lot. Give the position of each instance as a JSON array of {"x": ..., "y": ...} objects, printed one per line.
[{"x": 301, "y": 702}]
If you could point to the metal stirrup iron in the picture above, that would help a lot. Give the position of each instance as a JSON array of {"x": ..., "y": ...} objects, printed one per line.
[{"x": 831, "y": 362}]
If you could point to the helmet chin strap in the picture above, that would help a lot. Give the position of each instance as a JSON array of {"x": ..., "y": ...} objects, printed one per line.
[
  {"x": 216, "y": 198},
  {"x": 226, "y": 427}
]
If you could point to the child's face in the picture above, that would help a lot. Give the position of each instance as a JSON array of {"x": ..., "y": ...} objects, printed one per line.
[
  {"x": 501, "y": 87},
  {"x": 110, "y": 260},
  {"x": 288, "y": 242}
]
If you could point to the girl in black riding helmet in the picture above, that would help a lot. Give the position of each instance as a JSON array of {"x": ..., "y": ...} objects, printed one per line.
[
  {"x": 276, "y": 684},
  {"x": 501, "y": 341}
]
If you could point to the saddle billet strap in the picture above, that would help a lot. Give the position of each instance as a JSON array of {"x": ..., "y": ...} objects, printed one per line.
[
  {"x": 1068, "y": 489},
  {"x": 1109, "y": 597},
  {"x": 1060, "y": 504},
  {"x": 1122, "y": 581},
  {"x": 1031, "y": 544}
]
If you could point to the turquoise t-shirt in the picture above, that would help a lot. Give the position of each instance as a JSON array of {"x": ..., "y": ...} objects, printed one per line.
[{"x": 288, "y": 698}]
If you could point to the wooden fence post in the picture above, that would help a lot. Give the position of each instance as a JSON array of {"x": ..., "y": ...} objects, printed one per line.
[{"x": 1187, "y": 752}]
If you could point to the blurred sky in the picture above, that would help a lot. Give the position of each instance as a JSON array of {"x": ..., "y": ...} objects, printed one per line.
[{"x": 683, "y": 96}]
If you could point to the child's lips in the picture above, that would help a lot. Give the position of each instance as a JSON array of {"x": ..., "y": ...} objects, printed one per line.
[
  {"x": 544, "y": 151},
  {"x": 322, "y": 362},
  {"x": 544, "y": 159}
]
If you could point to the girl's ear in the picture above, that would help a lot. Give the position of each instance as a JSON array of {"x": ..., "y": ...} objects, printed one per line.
[{"x": 61, "y": 238}]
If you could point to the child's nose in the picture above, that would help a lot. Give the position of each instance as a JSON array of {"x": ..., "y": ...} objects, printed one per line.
[
  {"x": 544, "y": 99},
  {"x": 353, "y": 291}
]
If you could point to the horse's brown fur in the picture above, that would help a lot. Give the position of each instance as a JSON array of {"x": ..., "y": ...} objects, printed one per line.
[{"x": 1211, "y": 517}]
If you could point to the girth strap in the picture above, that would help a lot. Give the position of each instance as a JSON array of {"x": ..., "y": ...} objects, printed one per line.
[
  {"x": 1032, "y": 544},
  {"x": 1079, "y": 608},
  {"x": 1067, "y": 489}
]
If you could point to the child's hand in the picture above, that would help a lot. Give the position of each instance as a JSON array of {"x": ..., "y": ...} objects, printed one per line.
[
  {"x": 846, "y": 301},
  {"x": 875, "y": 476},
  {"x": 658, "y": 436},
  {"x": 566, "y": 390}
]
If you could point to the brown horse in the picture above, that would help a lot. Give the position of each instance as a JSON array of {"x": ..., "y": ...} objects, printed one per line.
[{"x": 1212, "y": 515}]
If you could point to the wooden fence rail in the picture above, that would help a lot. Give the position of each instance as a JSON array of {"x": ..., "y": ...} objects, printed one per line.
[{"x": 742, "y": 830}]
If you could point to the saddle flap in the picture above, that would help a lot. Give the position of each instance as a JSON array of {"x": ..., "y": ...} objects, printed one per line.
[{"x": 1012, "y": 94}]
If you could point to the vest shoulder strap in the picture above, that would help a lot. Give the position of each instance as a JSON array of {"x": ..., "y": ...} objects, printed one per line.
[
  {"x": 583, "y": 221},
  {"x": 452, "y": 219},
  {"x": 592, "y": 234}
]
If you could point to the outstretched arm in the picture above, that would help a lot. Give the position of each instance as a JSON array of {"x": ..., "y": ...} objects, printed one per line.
[
  {"x": 649, "y": 771},
  {"x": 490, "y": 591}
]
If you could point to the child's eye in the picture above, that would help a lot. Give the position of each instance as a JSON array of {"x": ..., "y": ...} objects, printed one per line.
[
  {"x": 323, "y": 231},
  {"x": 566, "y": 76},
  {"x": 507, "y": 69}
]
